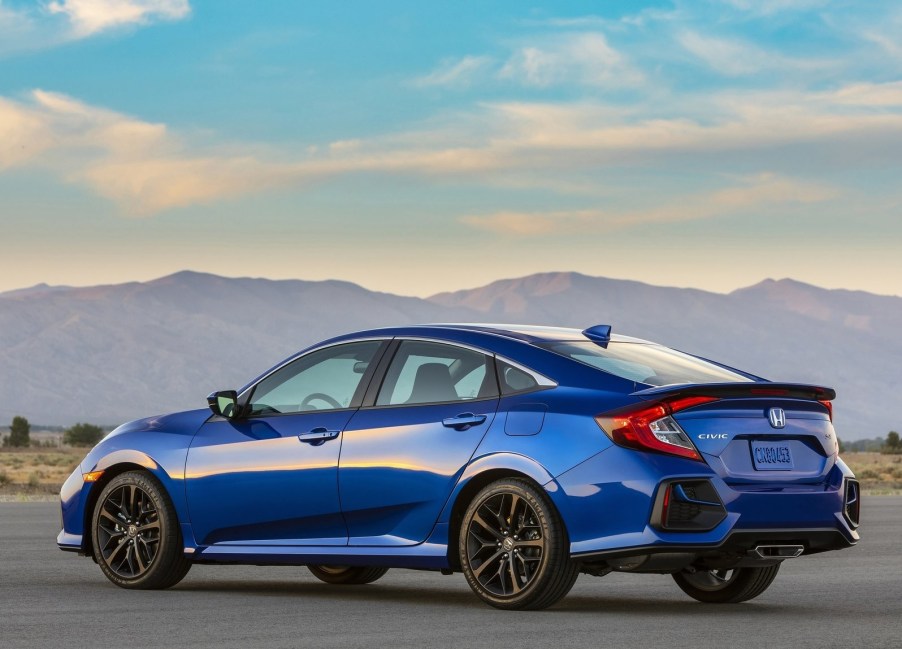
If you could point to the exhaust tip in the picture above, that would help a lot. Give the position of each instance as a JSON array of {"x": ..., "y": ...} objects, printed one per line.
[{"x": 779, "y": 551}]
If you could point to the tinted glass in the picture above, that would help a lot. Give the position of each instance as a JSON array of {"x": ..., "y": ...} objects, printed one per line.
[
  {"x": 513, "y": 379},
  {"x": 646, "y": 363},
  {"x": 423, "y": 372},
  {"x": 322, "y": 380}
]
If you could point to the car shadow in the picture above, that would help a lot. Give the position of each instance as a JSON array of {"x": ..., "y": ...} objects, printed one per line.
[{"x": 623, "y": 606}]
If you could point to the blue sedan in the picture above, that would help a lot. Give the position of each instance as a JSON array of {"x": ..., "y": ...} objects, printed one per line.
[{"x": 520, "y": 456}]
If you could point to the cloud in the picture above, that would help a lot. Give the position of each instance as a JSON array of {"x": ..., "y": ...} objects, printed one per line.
[
  {"x": 771, "y": 7},
  {"x": 870, "y": 94},
  {"x": 734, "y": 57},
  {"x": 572, "y": 58},
  {"x": 455, "y": 72},
  {"x": 138, "y": 164},
  {"x": 583, "y": 58},
  {"x": 763, "y": 190},
  {"x": 92, "y": 16},
  {"x": 46, "y": 25},
  {"x": 147, "y": 167}
]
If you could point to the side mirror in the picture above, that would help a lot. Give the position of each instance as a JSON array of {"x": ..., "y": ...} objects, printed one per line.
[{"x": 224, "y": 403}]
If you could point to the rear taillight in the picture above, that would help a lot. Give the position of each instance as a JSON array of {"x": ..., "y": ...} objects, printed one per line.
[
  {"x": 828, "y": 405},
  {"x": 651, "y": 427}
]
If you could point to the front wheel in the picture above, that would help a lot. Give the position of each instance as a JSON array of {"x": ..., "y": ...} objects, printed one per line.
[
  {"x": 347, "y": 575},
  {"x": 726, "y": 586},
  {"x": 513, "y": 547},
  {"x": 135, "y": 534}
]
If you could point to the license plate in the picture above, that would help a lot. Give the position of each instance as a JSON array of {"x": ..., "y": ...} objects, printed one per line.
[{"x": 772, "y": 456}]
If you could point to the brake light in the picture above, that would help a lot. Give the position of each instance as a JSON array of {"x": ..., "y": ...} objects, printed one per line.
[
  {"x": 651, "y": 427},
  {"x": 829, "y": 406}
]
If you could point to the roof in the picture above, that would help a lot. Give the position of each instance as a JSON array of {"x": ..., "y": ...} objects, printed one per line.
[{"x": 525, "y": 333}]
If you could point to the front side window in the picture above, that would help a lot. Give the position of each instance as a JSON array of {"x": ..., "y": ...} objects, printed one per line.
[
  {"x": 425, "y": 372},
  {"x": 326, "y": 379}
]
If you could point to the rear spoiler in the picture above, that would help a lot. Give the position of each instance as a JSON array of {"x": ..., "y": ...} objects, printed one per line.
[{"x": 744, "y": 389}]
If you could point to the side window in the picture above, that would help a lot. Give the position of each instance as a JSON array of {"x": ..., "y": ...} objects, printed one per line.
[
  {"x": 514, "y": 379},
  {"x": 424, "y": 372},
  {"x": 322, "y": 380}
]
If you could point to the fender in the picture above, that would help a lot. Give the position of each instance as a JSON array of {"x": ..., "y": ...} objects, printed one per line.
[
  {"x": 124, "y": 457},
  {"x": 166, "y": 464},
  {"x": 507, "y": 461}
]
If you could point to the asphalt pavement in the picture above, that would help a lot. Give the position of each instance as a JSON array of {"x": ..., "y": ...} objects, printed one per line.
[{"x": 851, "y": 598}]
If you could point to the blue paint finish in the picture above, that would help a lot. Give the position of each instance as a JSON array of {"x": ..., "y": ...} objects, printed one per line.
[
  {"x": 399, "y": 465},
  {"x": 253, "y": 480},
  {"x": 382, "y": 490},
  {"x": 508, "y": 462},
  {"x": 525, "y": 419}
]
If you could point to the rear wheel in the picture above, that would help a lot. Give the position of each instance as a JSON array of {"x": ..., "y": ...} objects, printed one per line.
[
  {"x": 135, "y": 534},
  {"x": 726, "y": 586},
  {"x": 513, "y": 548},
  {"x": 347, "y": 574}
]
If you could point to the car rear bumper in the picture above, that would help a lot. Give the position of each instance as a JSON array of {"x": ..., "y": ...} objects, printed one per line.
[
  {"x": 620, "y": 515},
  {"x": 737, "y": 543}
]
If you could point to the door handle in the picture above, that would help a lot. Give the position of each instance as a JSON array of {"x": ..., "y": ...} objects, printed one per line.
[
  {"x": 318, "y": 436},
  {"x": 463, "y": 421}
]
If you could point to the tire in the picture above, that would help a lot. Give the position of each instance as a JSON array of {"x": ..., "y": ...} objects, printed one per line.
[
  {"x": 726, "y": 586},
  {"x": 347, "y": 575},
  {"x": 136, "y": 536},
  {"x": 513, "y": 548}
]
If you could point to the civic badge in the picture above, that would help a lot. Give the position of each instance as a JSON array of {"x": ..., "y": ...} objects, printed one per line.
[{"x": 776, "y": 417}]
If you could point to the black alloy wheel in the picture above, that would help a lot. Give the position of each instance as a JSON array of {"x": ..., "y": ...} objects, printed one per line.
[
  {"x": 347, "y": 575},
  {"x": 136, "y": 536},
  {"x": 726, "y": 586},
  {"x": 513, "y": 548}
]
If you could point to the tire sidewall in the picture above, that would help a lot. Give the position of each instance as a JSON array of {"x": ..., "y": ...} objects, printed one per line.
[
  {"x": 154, "y": 489},
  {"x": 552, "y": 532}
]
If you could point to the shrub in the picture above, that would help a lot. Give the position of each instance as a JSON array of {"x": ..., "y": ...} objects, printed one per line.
[
  {"x": 83, "y": 435},
  {"x": 19, "y": 432}
]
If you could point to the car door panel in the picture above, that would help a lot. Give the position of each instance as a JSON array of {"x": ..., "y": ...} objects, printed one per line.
[
  {"x": 404, "y": 451},
  {"x": 254, "y": 481},
  {"x": 399, "y": 465},
  {"x": 270, "y": 476}
]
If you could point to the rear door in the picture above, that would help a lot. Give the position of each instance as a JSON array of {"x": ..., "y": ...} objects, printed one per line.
[{"x": 402, "y": 455}]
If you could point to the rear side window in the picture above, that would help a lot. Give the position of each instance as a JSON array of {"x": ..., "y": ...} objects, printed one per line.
[
  {"x": 514, "y": 380},
  {"x": 646, "y": 363},
  {"x": 425, "y": 372}
]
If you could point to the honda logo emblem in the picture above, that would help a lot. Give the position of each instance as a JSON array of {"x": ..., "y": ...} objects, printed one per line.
[{"x": 776, "y": 417}]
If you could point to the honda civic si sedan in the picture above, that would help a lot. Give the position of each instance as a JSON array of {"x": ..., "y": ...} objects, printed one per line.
[{"x": 519, "y": 456}]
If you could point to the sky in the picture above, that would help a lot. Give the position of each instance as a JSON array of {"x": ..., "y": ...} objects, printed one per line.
[{"x": 417, "y": 147}]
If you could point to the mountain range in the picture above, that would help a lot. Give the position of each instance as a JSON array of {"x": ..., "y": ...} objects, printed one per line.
[{"x": 106, "y": 354}]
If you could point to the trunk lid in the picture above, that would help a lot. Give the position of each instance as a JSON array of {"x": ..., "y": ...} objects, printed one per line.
[{"x": 759, "y": 432}]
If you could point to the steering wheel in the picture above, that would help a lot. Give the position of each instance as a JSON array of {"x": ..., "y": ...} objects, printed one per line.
[{"x": 318, "y": 396}]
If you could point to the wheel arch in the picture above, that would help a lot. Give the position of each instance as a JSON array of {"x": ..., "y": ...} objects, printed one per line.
[
  {"x": 114, "y": 465},
  {"x": 481, "y": 473}
]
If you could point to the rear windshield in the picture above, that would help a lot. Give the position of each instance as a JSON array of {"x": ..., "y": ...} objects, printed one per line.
[{"x": 646, "y": 363}]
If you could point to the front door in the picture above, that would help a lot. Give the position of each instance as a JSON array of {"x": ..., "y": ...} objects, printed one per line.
[
  {"x": 401, "y": 457},
  {"x": 270, "y": 477}
]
